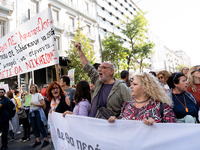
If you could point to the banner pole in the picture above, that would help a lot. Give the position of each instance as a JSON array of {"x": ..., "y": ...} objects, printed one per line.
[{"x": 57, "y": 73}]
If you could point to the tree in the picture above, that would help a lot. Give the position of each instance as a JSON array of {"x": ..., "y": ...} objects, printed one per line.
[
  {"x": 143, "y": 51},
  {"x": 180, "y": 67},
  {"x": 74, "y": 58},
  {"x": 136, "y": 30},
  {"x": 114, "y": 51}
]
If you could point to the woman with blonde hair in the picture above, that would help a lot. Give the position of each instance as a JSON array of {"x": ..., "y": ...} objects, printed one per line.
[
  {"x": 151, "y": 103},
  {"x": 193, "y": 78}
]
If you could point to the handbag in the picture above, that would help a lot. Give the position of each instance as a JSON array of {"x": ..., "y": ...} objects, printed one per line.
[
  {"x": 22, "y": 114},
  {"x": 102, "y": 112}
]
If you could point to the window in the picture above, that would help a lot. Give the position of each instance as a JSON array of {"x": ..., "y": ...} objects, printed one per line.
[
  {"x": 87, "y": 6},
  {"x": 71, "y": 23},
  {"x": 58, "y": 42},
  {"x": 88, "y": 29},
  {"x": 34, "y": 8},
  {"x": 2, "y": 28},
  {"x": 55, "y": 15}
]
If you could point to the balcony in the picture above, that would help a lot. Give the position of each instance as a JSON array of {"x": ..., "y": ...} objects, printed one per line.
[{"x": 7, "y": 6}]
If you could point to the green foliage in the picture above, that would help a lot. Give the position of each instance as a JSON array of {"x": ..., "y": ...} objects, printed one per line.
[
  {"x": 140, "y": 48},
  {"x": 179, "y": 67},
  {"x": 114, "y": 51},
  {"x": 143, "y": 51},
  {"x": 136, "y": 28},
  {"x": 74, "y": 58}
]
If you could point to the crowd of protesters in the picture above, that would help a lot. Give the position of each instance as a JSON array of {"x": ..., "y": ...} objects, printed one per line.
[{"x": 161, "y": 97}]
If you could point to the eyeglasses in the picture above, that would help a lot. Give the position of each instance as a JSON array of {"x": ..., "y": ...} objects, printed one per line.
[
  {"x": 103, "y": 67},
  {"x": 56, "y": 88},
  {"x": 1, "y": 92},
  {"x": 196, "y": 70},
  {"x": 160, "y": 77}
]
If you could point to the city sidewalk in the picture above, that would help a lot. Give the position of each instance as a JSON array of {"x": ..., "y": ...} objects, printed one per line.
[{"x": 16, "y": 145}]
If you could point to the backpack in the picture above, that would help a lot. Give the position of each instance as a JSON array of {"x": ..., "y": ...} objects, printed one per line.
[{"x": 11, "y": 109}]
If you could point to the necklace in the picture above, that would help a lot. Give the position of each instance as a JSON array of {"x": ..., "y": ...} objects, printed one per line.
[
  {"x": 185, "y": 106},
  {"x": 142, "y": 101}
]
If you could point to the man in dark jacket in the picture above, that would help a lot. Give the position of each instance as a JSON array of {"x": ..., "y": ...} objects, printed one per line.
[{"x": 4, "y": 119}]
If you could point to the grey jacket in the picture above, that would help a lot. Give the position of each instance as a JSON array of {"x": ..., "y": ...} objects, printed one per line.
[{"x": 118, "y": 94}]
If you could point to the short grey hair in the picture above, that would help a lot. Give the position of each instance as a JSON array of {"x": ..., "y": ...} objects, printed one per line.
[{"x": 111, "y": 65}]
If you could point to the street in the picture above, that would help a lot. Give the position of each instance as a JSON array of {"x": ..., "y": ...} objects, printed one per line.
[{"x": 16, "y": 145}]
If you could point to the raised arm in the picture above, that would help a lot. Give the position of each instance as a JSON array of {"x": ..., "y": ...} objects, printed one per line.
[{"x": 84, "y": 60}]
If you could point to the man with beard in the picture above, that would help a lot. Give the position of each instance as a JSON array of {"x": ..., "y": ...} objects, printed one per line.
[
  {"x": 4, "y": 119},
  {"x": 108, "y": 92}
]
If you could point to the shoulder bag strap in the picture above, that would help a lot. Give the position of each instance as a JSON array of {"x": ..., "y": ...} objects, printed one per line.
[
  {"x": 161, "y": 111},
  {"x": 100, "y": 97}
]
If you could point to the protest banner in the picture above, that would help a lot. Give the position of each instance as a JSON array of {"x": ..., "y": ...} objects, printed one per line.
[
  {"x": 86, "y": 133},
  {"x": 71, "y": 76},
  {"x": 30, "y": 47},
  {"x": 4, "y": 86}
]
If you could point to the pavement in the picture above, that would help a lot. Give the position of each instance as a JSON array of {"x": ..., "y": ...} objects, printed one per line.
[{"x": 16, "y": 145}]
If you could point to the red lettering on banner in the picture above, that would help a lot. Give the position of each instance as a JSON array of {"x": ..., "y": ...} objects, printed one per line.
[
  {"x": 36, "y": 62},
  {"x": 11, "y": 41},
  {"x": 3, "y": 47},
  {"x": 44, "y": 24},
  {"x": 41, "y": 60},
  {"x": 41, "y": 26},
  {"x": 18, "y": 70},
  {"x": 5, "y": 73},
  {"x": 32, "y": 62}
]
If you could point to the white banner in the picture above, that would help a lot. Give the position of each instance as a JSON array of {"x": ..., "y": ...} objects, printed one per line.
[
  {"x": 85, "y": 133},
  {"x": 30, "y": 47}
]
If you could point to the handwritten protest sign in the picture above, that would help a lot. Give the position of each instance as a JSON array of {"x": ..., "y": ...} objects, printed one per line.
[
  {"x": 30, "y": 47},
  {"x": 27, "y": 100},
  {"x": 71, "y": 76},
  {"x": 4, "y": 86},
  {"x": 86, "y": 133}
]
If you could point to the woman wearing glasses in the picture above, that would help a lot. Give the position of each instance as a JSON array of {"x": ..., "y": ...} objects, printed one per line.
[
  {"x": 194, "y": 82},
  {"x": 185, "y": 105},
  {"x": 162, "y": 77},
  {"x": 56, "y": 96}
]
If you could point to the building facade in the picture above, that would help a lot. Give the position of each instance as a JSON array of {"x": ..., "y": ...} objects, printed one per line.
[{"x": 66, "y": 15}]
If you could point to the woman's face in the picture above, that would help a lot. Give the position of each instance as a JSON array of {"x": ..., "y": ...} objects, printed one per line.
[
  {"x": 137, "y": 89},
  {"x": 161, "y": 78},
  {"x": 196, "y": 73},
  {"x": 33, "y": 89},
  {"x": 182, "y": 85},
  {"x": 55, "y": 91}
]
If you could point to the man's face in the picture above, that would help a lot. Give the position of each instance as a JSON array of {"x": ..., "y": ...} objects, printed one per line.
[
  {"x": 61, "y": 82},
  {"x": 1, "y": 93},
  {"x": 105, "y": 72}
]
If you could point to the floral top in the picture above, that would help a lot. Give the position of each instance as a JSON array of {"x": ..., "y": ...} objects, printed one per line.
[{"x": 152, "y": 109}]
